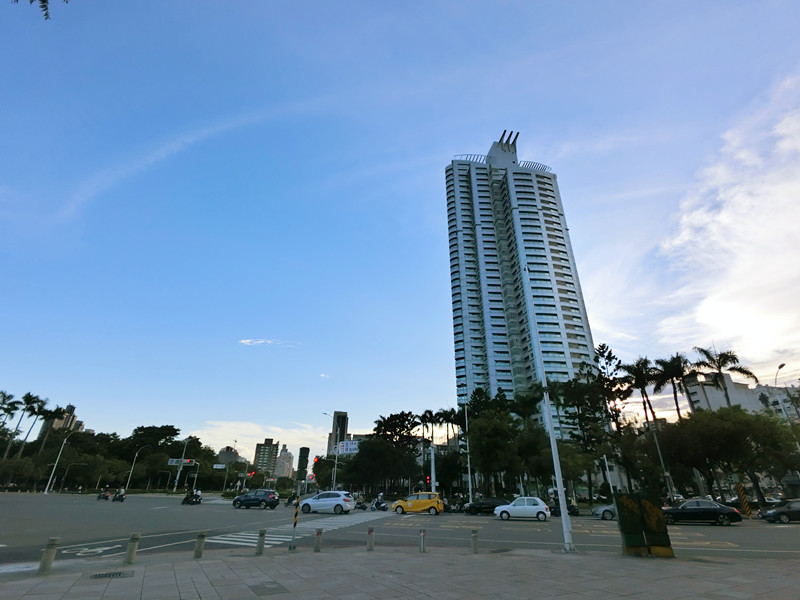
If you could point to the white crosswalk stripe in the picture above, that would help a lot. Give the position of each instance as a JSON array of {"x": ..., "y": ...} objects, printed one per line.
[{"x": 282, "y": 534}]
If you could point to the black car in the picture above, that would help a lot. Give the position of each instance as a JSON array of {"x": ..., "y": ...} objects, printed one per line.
[
  {"x": 701, "y": 511},
  {"x": 783, "y": 514},
  {"x": 260, "y": 498},
  {"x": 485, "y": 505},
  {"x": 572, "y": 510}
]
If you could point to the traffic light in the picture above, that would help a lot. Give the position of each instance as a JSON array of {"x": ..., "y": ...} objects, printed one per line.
[
  {"x": 428, "y": 479},
  {"x": 316, "y": 459},
  {"x": 189, "y": 462},
  {"x": 251, "y": 473}
]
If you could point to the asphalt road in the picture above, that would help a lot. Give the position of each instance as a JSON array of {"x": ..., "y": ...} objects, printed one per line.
[{"x": 89, "y": 528}]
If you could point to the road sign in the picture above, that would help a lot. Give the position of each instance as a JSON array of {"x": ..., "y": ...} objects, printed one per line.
[
  {"x": 174, "y": 462},
  {"x": 219, "y": 466}
]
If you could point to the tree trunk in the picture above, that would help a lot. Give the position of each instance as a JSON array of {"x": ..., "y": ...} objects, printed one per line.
[{"x": 675, "y": 395}]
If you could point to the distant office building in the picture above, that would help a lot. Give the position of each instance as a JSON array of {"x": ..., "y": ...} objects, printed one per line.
[
  {"x": 67, "y": 421},
  {"x": 266, "y": 457},
  {"x": 704, "y": 395},
  {"x": 338, "y": 430},
  {"x": 517, "y": 301},
  {"x": 229, "y": 455},
  {"x": 284, "y": 465}
]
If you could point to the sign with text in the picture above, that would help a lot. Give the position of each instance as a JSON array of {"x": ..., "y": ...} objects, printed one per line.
[{"x": 348, "y": 447}]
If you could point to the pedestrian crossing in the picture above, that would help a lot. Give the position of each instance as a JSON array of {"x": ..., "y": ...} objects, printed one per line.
[{"x": 282, "y": 534}]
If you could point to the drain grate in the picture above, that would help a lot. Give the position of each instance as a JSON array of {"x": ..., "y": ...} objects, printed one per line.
[{"x": 112, "y": 575}]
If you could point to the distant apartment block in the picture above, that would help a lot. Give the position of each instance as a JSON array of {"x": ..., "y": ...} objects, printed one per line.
[{"x": 266, "y": 457}]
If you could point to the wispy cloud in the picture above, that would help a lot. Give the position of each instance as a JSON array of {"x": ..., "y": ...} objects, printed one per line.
[
  {"x": 736, "y": 246},
  {"x": 324, "y": 376},
  {"x": 261, "y": 341}
]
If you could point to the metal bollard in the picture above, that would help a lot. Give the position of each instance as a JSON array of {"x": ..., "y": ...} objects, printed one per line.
[
  {"x": 371, "y": 539},
  {"x": 133, "y": 546},
  {"x": 200, "y": 544},
  {"x": 422, "y": 540},
  {"x": 49, "y": 555},
  {"x": 262, "y": 533},
  {"x": 318, "y": 541},
  {"x": 475, "y": 541}
]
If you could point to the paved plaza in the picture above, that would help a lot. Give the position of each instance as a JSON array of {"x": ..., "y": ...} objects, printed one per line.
[{"x": 356, "y": 574}]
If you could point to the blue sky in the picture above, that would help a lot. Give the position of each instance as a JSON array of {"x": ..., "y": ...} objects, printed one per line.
[{"x": 230, "y": 217}]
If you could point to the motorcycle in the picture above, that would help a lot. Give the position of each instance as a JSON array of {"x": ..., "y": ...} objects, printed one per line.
[
  {"x": 104, "y": 495},
  {"x": 118, "y": 497},
  {"x": 361, "y": 505},
  {"x": 191, "y": 499},
  {"x": 379, "y": 505}
]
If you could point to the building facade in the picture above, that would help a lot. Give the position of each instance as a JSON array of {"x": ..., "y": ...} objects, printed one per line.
[
  {"x": 284, "y": 465},
  {"x": 517, "y": 301},
  {"x": 266, "y": 456},
  {"x": 338, "y": 430}
]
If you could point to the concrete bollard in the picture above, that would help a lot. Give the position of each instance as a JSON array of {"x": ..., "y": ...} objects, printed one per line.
[
  {"x": 371, "y": 539},
  {"x": 318, "y": 541},
  {"x": 49, "y": 555},
  {"x": 422, "y": 533},
  {"x": 133, "y": 546},
  {"x": 475, "y": 541},
  {"x": 262, "y": 533},
  {"x": 200, "y": 544}
]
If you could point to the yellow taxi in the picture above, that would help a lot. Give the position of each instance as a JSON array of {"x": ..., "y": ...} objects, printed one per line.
[{"x": 429, "y": 502}]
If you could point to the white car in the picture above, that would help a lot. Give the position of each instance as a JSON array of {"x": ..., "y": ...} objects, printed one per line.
[
  {"x": 335, "y": 502},
  {"x": 524, "y": 507}
]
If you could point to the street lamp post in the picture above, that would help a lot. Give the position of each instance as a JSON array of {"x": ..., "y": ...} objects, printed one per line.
[
  {"x": 180, "y": 466},
  {"x": 128, "y": 483},
  {"x": 55, "y": 464}
]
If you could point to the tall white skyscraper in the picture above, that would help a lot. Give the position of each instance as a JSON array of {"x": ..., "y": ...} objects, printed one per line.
[{"x": 515, "y": 289}]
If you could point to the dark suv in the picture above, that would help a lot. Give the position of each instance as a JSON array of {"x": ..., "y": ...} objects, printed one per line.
[{"x": 259, "y": 498}]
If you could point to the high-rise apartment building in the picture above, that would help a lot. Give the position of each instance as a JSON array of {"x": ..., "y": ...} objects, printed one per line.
[
  {"x": 266, "y": 456},
  {"x": 515, "y": 290}
]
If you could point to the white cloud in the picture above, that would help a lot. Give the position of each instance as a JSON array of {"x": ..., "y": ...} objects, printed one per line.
[
  {"x": 245, "y": 435},
  {"x": 736, "y": 245},
  {"x": 259, "y": 341},
  {"x": 324, "y": 376}
]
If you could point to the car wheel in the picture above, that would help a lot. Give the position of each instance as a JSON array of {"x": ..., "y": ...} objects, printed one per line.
[
  {"x": 724, "y": 520},
  {"x": 262, "y": 505},
  {"x": 305, "y": 508},
  {"x": 237, "y": 504},
  {"x": 607, "y": 515},
  {"x": 783, "y": 518},
  {"x": 338, "y": 509},
  {"x": 432, "y": 511},
  {"x": 669, "y": 519},
  {"x": 399, "y": 510},
  {"x": 541, "y": 516},
  {"x": 505, "y": 516}
]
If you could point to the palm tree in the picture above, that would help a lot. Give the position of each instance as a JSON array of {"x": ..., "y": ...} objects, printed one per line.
[
  {"x": 8, "y": 406},
  {"x": 427, "y": 418},
  {"x": 449, "y": 418},
  {"x": 672, "y": 370},
  {"x": 717, "y": 362},
  {"x": 37, "y": 410},
  {"x": 29, "y": 405},
  {"x": 639, "y": 375}
]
